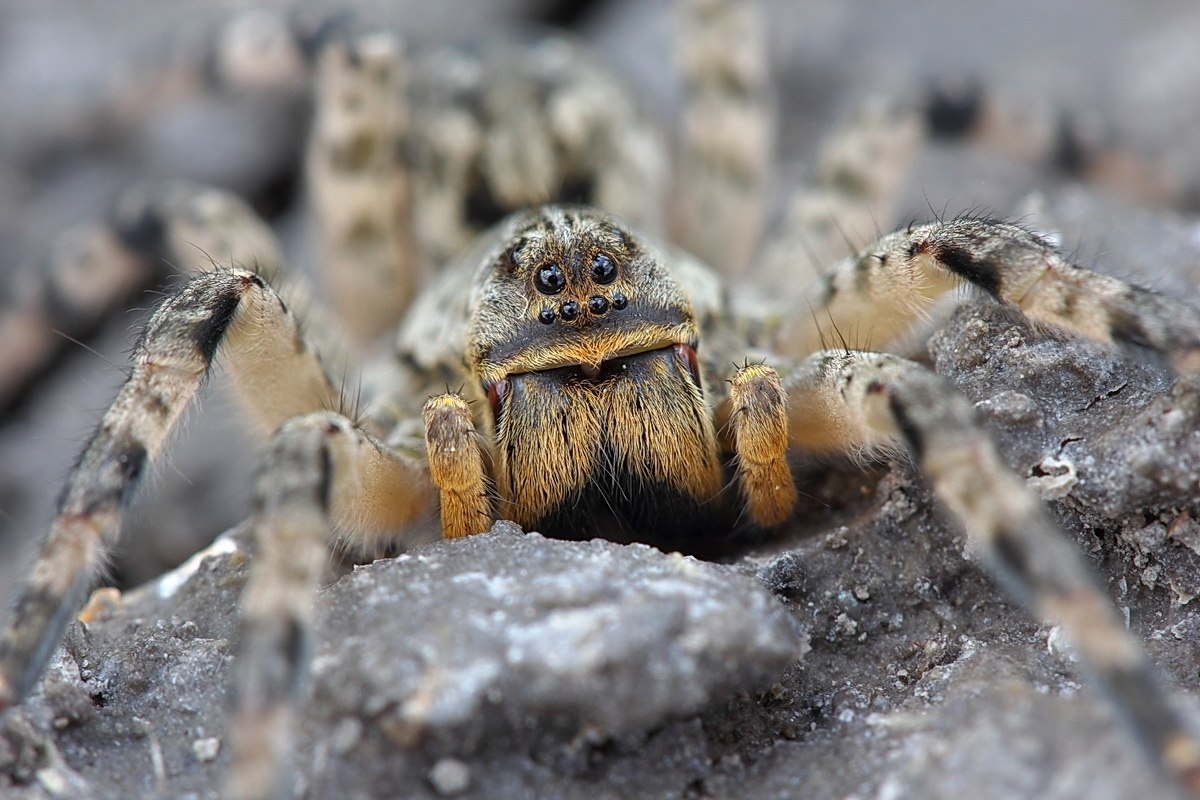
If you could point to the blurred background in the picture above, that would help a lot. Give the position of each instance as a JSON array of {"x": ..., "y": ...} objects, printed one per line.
[{"x": 76, "y": 129}]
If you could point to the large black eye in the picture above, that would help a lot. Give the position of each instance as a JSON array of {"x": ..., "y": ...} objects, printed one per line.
[
  {"x": 550, "y": 279},
  {"x": 603, "y": 269}
]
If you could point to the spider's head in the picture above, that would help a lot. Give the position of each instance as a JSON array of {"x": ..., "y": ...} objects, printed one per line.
[
  {"x": 585, "y": 345},
  {"x": 570, "y": 287}
]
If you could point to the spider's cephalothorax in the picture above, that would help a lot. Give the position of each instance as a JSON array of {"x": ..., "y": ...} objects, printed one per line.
[{"x": 585, "y": 345}]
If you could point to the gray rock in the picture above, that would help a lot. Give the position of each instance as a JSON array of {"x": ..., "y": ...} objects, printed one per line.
[
  {"x": 504, "y": 635},
  {"x": 503, "y": 643}
]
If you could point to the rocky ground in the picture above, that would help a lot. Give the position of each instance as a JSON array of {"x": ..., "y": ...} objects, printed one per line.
[{"x": 858, "y": 655}]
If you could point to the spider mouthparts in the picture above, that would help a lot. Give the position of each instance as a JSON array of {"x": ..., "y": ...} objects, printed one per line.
[{"x": 591, "y": 371}]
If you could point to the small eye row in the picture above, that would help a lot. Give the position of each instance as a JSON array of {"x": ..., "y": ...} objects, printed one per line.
[
  {"x": 568, "y": 310},
  {"x": 550, "y": 278}
]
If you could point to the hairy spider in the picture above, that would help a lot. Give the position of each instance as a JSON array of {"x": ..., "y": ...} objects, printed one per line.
[{"x": 558, "y": 362}]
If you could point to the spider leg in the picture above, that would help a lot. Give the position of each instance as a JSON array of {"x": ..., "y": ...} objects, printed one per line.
[
  {"x": 887, "y": 286},
  {"x": 321, "y": 474},
  {"x": 854, "y": 189},
  {"x": 852, "y": 401},
  {"x": 273, "y": 371},
  {"x": 154, "y": 231},
  {"x": 359, "y": 180},
  {"x": 456, "y": 466},
  {"x": 726, "y": 139},
  {"x": 1037, "y": 131},
  {"x": 757, "y": 410}
]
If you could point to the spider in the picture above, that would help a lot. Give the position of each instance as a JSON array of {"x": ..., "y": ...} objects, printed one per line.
[{"x": 595, "y": 393}]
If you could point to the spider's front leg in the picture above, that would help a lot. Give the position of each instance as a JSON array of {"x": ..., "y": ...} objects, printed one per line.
[
  {"x": 321, "y": 474},
  {"x": 881, "y": 291},
  {"x": 272, "y": 369},
  {"x": 758, "y": 420},
  {"x": 854, "y": 401}
]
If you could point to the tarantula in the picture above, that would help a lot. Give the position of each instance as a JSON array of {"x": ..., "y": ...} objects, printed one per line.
[{"x": 590, "y": 392}]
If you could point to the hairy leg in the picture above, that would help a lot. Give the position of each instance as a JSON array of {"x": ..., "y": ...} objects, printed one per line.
[
  {"x": 728, "y": 130},
  {"x": 855, "y": 401},
  {"x": 359, "y": 179},
  {"x": 878, "y": 294},
  {"x": 155, "y": 231},
  {"x": 229, "y": 310},
  {"x": 1036, "y": 131},
  {"x": 321, "y": 475},
  {"x": 456, "y": 466},
  {"x": 852, "y": 192},
  {"x": 758, "y": 421}
]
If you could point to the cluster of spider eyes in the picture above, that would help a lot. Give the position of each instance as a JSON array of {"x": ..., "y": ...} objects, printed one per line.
[{"x": 551, "y": 280}]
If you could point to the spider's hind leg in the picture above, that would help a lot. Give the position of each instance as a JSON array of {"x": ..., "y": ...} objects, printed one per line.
[
  {"x": 864, "y": 401},
  {"x": 154, "y": 231},
  {"x": 727, "y": 133},
  {"x": 359, "y": 179}
]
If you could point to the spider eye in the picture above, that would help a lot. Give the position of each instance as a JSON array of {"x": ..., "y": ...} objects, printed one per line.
[
  {"x": 603, "y": 269},
  {"x": 550, "y": 279}
]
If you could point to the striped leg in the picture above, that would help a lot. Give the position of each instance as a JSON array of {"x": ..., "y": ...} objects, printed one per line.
[
  {"x": 231, "y": 310},
  {"x": 858, "y": 401},
  {"x": 155, "y": 230},
  {"x": 321, "y": 474},
  {"x": 1035, "y": 131},
  {"x": 728, "y": 131},
  {"x": 880, "y": 293},
  {"x": 853, "y": 190},
  {"x": 359, "y": 180}
]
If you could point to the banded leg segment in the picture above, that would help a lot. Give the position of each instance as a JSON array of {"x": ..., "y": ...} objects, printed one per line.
[
  {"x": 853, "y": 190},
  {"x": 1036, "y": 131},
  {"x": 232, "y": 310},
  {"x": 359, "y": 180},
  {"x": 882, "y": 291},
  {"x": 155, "y": 230},
  {"x": 869, "y": 401},
  {"x": 727, "y": 139},
  {"x": 321, "y": 477}
]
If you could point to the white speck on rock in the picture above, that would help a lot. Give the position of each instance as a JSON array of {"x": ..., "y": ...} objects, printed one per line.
[
  {"x": 206, "y": 749},
  {"x": 449, "y": 777},
  {"x": 1058, "y": 477},
  {"x": 170, "y": 583}
]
